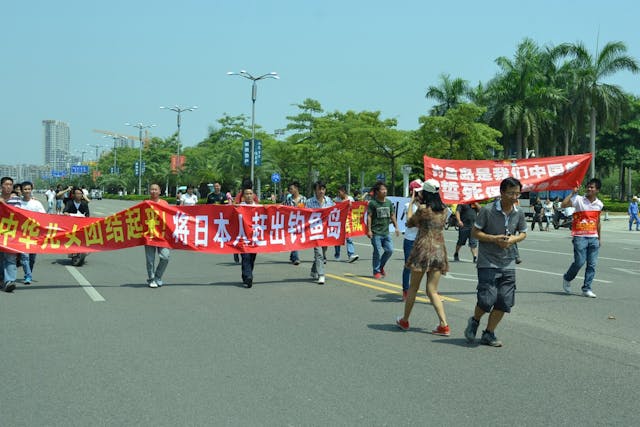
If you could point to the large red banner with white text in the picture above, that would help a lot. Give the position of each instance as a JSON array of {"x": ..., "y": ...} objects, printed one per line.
[
  {"x": 203, "y": 228},
  {"x": 465, "y": 181}
]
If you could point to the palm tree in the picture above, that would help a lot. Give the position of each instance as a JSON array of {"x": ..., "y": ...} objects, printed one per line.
[
  {"x": 449, "y": 93},
  {"x": 601, "y": 99}
]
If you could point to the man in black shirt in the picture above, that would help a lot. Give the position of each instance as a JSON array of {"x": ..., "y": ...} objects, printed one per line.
[
  {"x": 217, "y": 197},
  {"x": 466, "y": 216}
]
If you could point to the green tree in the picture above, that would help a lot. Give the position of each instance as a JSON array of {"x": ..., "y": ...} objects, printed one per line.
[
  {"x": 604, "y": 101},
  {"x": 457, "y": 135},
  {"x": 448, "y": 94}
]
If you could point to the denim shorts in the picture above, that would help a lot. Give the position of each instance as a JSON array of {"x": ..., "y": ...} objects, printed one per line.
[
  {"x": 496, "y": 289},
  {"x": 464, "y": 234}
]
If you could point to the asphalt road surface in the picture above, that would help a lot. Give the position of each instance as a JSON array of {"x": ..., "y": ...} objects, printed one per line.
[{"x": 94, "y": 346}]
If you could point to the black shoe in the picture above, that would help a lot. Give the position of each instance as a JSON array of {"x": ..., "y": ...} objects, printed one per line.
[
  {"x": 456, "y": 257},
  {"x": 518, "y": 260},
  {"x": 248, "y": 283},
  {"x": 475, "y": 259},
  {"x": 9, "y": 287}
]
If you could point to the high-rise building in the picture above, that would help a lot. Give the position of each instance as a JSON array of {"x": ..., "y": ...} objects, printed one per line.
[{"x": 57, "y": 140}]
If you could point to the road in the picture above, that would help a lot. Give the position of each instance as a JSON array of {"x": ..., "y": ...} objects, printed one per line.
[{"x": 95, "y": 346}]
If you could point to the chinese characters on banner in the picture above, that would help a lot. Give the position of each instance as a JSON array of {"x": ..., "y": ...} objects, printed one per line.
[
  {"x": 465, "y": 181},
  {"x": 204, "y": 228}
]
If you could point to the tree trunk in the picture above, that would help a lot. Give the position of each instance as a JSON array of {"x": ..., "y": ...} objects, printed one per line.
[{"x": 566, "y": 142}]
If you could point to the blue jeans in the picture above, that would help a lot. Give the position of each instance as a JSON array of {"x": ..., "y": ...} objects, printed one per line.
[
  {"x": 407, "y": 245},
  {"x": 9, "y": 267},
  {"x": 632, "y": 218},
  {"x": 379, "y": 243},
  {"x": 27, "y": 261},
  {"x": 350, "y": 248},
  {"x": 585, "y": 249}
]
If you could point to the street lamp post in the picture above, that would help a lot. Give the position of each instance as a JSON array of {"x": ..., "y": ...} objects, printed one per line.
[
  {"x": 254, "y": 94},
  {"x": 115, "y": 152},
  {"x": 140, "y": 127},
  {"x": 179, "y": 110},
  {"x": 96, "y": 147}
]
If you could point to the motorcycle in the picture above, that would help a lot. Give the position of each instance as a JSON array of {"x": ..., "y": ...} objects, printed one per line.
[
  {"x": 77, "y": 260},
  {"x": 563, "y": 218},
  {"x": 451, "y": 220}
]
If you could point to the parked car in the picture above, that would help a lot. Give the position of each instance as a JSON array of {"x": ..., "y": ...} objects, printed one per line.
[{"x": 95, "y": 194}]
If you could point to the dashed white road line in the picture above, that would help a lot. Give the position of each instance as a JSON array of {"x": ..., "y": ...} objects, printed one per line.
[{"x": 84, "y": 284}]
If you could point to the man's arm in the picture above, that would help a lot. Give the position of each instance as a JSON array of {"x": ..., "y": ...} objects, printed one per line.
[{"x": 567, "y": 200}]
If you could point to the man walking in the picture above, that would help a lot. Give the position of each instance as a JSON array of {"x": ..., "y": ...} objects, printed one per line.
[
  {"x": 380, "y": 214},
  {"x": 154, "y": 273},
  {"x": 466, "y": 216},
  {"x": 351, "y": 253},
  {"x": 633, "y": 213},
  {"x": 587, "y": 235},
  {"x": 8, "y": 265},
  {"x": 319, "y": 201},
  {"x": 495, "y": 228},
  {"x": 29, "y": 203}
]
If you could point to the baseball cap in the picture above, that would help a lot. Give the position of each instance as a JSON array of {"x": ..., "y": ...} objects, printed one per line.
[
  {"x": 415, "y": 184},
  {"x": 431, "y": 186}
]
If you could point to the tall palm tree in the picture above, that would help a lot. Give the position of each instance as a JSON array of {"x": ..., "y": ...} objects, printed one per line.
[
  {"x": 601, "y": 99},
  {"x": 449, "y": 93}
]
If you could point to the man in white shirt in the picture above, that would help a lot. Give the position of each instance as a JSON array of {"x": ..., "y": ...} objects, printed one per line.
[
  {"x": 587, "y": 235},
  {"x": 33, "y": 205},
  {"x": 51, "y": 199}
]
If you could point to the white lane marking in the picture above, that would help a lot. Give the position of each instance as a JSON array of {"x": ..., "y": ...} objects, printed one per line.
[
  {"x": 560, "y": 274},
  {"x": 451, "y": 276},
  {"x": 84, "y": 283},
  {"x": 624, "y": 270}
]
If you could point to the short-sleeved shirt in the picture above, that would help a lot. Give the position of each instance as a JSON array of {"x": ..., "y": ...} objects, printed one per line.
[
  {"x": 380, "y": 214},
  {"x": 217, "y": 198},
  {"x": 586, "y": 216},
  {"x": 315, "y": 203},
  {"x": 492, "y": 220},
  {"x": 189, "y": 199},
  {"x": 467, "y": 215}
]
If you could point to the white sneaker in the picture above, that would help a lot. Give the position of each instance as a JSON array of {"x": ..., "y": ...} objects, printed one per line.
[
  {"x": 588, "y": 293},
  {"x": 153, "y": 284},
  {"x": 353, "y": 258},
  {"x": 320, "y": 280},
  {"x": 566, "y": 285}
]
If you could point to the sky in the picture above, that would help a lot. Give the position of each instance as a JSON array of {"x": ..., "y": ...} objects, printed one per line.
[{"x": 99, "y": 65}]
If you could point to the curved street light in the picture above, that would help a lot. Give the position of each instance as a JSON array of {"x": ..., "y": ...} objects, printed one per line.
[
  {"x": 254, "y": 94},
  {"x": 140, "y": 127},
  {"x": 178, "y": 109}
]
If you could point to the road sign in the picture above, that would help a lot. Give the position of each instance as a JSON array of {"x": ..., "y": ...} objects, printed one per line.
[
  {"x": 380, "y": 177},
  {"x": 79, "y": 170},
  {"x": 257, "y": 152},
  {"x": 136, "y": 169},
  {"x": 275, "y": 177}
]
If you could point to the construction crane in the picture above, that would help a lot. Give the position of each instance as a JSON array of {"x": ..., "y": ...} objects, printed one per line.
[{"x": 145, "y": 139}]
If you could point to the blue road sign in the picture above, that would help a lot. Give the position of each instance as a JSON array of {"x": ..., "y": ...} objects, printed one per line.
[
  {"x": 275, "y": 177},
  {"x": 79, "y": 170},
  {"x": 257, "y": 152}
]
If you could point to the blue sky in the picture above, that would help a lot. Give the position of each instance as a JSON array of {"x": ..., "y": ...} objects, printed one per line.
[{"x": 99, "y": 65}]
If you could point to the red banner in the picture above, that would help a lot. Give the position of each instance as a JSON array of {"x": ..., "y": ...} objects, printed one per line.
[
  {"x": 465, "y": 181},
  {"x": 203, "y": 228},
  {"x": 177, "y": 163}
]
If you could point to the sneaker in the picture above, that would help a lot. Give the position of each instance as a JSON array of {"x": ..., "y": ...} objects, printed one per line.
[
  {"x": 382, "y": 272},
  {"x": 353, "y": 258},
  {"x": 471, "y": 330},
  {"x": 153, "y": 284},
  {"x": 377, "y": 276},
  {"x": 336, "y": 257},
  {"x": 404, "y": 295},
  {"x": 9, "y": 287},
  {"x": 296, "y": 262},
  {"x": 27, "y": 280},
  {"x": 566, "y": 286},
  {"x": 588, "y": 293},
  {"x": 320, "y": 280},
  {"x": 445, "y": 331},
  {"x": 314, "y": 276},
  {"x": 402, "y": 324},
  {"x": 518, "y": 260},
  {"x": 489, "y": 338},
  {"x": 248, "y": 282},
  {"x": 456, "y": 257}
]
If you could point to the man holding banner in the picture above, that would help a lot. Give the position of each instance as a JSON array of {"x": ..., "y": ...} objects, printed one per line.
[{"x": 586, "y": 232}]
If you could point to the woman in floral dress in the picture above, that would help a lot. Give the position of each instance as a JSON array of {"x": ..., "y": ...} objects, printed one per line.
[{"x": 429, "y": 254}]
